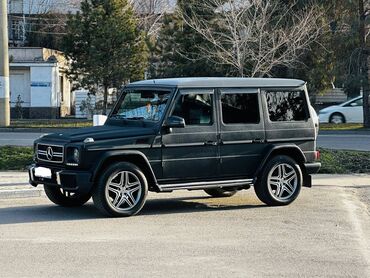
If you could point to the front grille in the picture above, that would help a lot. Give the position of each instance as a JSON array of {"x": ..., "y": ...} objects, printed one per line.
[{"x": 50, "y": 153}]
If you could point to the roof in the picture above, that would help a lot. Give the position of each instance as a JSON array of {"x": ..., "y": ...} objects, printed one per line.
[{"x": 221, "y": 82}]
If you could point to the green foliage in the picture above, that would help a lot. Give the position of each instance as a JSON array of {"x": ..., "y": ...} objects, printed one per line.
[
  {"x": 344, "y": 162},
  {"x": 15, "y": 158},
  {"x": 104, "y": 46}
]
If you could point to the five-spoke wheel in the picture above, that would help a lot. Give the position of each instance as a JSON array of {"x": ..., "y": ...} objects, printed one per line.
[
  {"x": 280, "y": 181},
  {"x": 121, "y": 190}
]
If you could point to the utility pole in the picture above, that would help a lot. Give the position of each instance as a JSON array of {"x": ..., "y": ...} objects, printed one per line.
[
  {"x": 364, "y": 62},
  {"x": 4, "y": 66}
]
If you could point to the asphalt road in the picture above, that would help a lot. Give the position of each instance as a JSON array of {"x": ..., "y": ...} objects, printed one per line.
[
  {"x": 324, "y": 233},
  {"x": 340, "y": 141},
  {"x": 18, "y": 138},
  {"x": 336, "y": 140}
]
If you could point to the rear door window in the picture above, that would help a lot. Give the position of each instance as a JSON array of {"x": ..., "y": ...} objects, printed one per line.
[{"x": 239, "y": 107}]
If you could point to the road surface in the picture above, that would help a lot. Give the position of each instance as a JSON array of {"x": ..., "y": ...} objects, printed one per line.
[
  {"x": 337, "y": 140},
  {"x": 340, "y": 141},
  {"x": 324, "y": 233},
  {"x": 18, "y": 138}
]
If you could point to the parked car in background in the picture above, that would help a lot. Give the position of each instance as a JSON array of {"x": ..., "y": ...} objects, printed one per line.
[{"x": 348, "y": 112}]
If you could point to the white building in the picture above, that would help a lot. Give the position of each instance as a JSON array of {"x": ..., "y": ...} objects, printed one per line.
[{"x": 39, "y": 88}]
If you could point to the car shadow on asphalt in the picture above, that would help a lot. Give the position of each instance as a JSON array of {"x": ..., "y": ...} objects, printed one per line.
[{"x": 46, "y": 213}]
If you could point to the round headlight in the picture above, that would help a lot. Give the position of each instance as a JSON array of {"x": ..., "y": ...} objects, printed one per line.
[{"x": 76, "y": 155}]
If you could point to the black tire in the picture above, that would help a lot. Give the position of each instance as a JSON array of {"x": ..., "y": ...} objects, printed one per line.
[
  {"x": 337, "y": 118},
  {"x": 219, "y": 192},
  {"x": 266, "y": 183},
  {"x": 65, "y": 199},
  {"x": 104, "y": 195}
]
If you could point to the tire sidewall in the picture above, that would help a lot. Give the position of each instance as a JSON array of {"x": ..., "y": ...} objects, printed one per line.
[
  {"x": 100, "y": 189},
  {"x": 270, "y": 165}
]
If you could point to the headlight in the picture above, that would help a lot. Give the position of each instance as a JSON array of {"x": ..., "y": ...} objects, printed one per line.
[
  {"x": 76, "y": 155},
  {"x": 73, "y": 156}
]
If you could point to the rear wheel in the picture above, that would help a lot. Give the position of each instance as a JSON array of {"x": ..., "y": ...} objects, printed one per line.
[
  {"x": 220, "y": 192},
  {"x": 121, "y": 190},
  {"x": 337, "y": 118},
  {"x": 65, "y": 198},
  {"x": 280, "y": 181}
]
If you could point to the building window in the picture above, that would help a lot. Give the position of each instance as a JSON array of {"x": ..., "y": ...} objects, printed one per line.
[{"x": 61, "y": 84}]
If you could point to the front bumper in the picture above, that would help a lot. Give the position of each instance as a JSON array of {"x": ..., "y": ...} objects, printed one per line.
[{"x": 69, "y": 180}]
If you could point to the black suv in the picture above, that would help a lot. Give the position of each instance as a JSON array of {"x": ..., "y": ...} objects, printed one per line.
[{"x": 216, "y": 134}]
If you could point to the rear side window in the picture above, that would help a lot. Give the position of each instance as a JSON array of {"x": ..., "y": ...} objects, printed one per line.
[
  {"x": 240, "y": 108},
  {"x": 286, "y": 106}
]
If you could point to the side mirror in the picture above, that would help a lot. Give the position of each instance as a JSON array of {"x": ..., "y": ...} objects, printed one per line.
[{"x": 175, "y": 121}]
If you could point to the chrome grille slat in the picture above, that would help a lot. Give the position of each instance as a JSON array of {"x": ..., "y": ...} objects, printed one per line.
[{"x": 57, "y": 153}]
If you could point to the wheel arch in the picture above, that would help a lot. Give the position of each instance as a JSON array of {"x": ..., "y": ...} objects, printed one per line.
[
  {"x": 134, "y": 157},
  {"x": 291, "y": 150}
]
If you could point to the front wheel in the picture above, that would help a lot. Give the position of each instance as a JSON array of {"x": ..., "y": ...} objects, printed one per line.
[
  {"x": 65, "y": 198},
  {"x": 280, "y": 181},
  {"x": 121, "y": 190}
]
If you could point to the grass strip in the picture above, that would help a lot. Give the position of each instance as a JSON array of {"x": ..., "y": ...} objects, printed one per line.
[
  {"x": 15, "y": 158},
  {"x": 58, "y": 123}
]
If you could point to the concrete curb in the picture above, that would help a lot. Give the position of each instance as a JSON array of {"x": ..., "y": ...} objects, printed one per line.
[{"x": 21, "y": 193}]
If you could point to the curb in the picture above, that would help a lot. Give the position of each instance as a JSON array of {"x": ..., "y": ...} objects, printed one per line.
[{"x": 20, "y": 193}]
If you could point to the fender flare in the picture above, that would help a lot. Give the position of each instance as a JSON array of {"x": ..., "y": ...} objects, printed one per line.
[
  {"x": 121, "y": 154},
  {"x": 279, "y": 148}
]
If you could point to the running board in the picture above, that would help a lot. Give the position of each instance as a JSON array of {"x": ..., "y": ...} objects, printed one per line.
[{"x": 204, "y": 185}]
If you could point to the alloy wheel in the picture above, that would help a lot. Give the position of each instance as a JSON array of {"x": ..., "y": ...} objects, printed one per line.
[
  {"x": 123, "y": 191},
  {"x": 282, "y": 181}
]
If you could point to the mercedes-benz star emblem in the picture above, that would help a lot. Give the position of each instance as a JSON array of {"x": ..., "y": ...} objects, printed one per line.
[{"x": 49, "y": 153}]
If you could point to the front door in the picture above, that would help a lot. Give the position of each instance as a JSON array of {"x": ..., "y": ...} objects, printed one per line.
[
  {"x": 191, "y": 153},
  {"x": 242, "y": 132}
]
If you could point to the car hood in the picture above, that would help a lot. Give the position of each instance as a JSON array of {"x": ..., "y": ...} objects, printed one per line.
[{"x": 99, "y": 133}]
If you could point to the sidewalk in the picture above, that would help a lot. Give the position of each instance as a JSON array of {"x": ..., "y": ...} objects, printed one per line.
[{"x": 15, "y": 185}]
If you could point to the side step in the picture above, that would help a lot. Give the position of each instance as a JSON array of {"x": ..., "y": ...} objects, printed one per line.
[{"x": 204, "y": 185}]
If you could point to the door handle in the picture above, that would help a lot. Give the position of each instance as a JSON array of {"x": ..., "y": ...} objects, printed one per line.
[
  {"x": 210, "y": 143},
  {"x": 258, "y": 140}
]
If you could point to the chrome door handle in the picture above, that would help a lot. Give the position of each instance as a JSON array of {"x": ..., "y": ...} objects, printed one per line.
[
  {"x": 258, "y": 140},
  {"x": 210, "y": 143}
]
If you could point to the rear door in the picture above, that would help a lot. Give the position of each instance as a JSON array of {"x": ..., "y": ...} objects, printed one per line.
[{"x": 242, "y": 134}]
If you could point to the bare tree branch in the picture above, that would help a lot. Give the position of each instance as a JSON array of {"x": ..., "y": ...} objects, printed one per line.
[{"x": 254, "y": 36}]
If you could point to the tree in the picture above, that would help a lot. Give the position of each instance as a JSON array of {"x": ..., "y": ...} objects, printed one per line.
[
  {"x": 253, "y": 37},
  {"x": 364, "y": 31},
  {"x": 104, "y": 47},
  {"x": 175, "y": 51}
]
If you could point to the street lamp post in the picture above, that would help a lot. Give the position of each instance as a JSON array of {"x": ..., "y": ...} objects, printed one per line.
[{"x": 4, "y": 66}]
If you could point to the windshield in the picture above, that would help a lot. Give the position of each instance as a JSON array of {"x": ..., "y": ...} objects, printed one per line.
[{"x": 142, "y": 105}]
